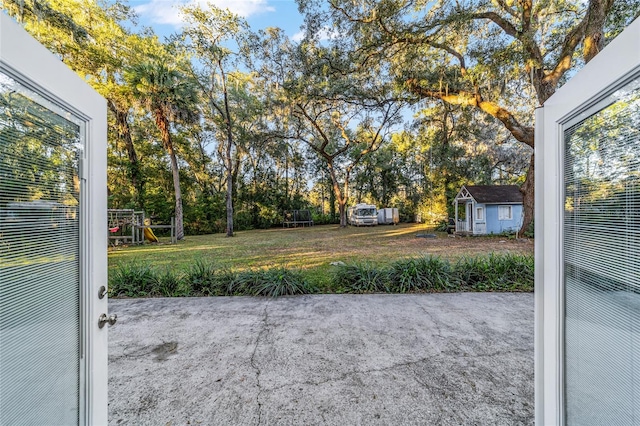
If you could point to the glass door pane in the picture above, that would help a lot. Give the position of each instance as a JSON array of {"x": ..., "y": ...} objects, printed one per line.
[
  {"x": 40, "y": 147},
  {"x": 602, "y": 264}
]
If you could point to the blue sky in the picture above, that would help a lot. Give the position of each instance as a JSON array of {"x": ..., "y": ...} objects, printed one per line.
[{"x": 164, "y": 18}]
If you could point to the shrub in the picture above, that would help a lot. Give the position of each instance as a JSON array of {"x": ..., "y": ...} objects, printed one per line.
[
  {"x": 132, "y": 279},
  {"x": 405, "y": 275},
  {"x": 271, "y": 282},
  {"x": 427, "y": 273},
  {"x": 496, "y": 272},
  {"x": 167, "y": 283},
  {"x": 281, "y": 282},
  {"x": 241, "y": 283},
  {"x": 201, "y": 279},
  {"x": 359, "y": 278}
]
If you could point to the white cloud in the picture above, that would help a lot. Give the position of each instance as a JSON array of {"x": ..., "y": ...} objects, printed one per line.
[
  {"x": 168, "y": 11},
  {"x": 160, "y": 12},
  {"x": 297, "y": 37}
]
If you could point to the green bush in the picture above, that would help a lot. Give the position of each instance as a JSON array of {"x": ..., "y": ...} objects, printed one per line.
[
  {"x": 168, "y": 284},
  {"x": 281, "y": 281},
  {"x": 241, "y": 283},
  {"x": 427, "y": 274},
  {"x": 132, "y": 279},
  {"x": 496, "y": 272},
  {"x": 270, "y": 282},
  {"x": 359, "y": 278},
  {"x": 201, "y": 279}
]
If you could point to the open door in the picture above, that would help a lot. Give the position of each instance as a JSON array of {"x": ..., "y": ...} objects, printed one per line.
[
  {"x": 53, "y": 352},
  {"x": 587, "y": 288}
]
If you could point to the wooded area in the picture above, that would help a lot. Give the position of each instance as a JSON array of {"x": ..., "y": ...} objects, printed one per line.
[{"x": 396, "y": 103}]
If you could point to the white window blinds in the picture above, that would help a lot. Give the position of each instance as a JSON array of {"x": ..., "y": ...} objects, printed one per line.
[
  {"x": 39, "y": 261},
  {"x": 602, "y": 265}
]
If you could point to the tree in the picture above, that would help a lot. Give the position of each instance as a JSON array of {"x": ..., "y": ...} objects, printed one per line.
[
  {"x": 90, "y": 38},
  {"x": 325, "y": 128},
  {"x": 341, "y": 115},
  {"x": 169, "y": 96},
  {"x": 501, "y": 57},
  {"x": 204, "y": 37}
]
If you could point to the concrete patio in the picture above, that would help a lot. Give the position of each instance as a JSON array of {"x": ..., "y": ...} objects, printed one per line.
[{"x": 423, "y": 359}]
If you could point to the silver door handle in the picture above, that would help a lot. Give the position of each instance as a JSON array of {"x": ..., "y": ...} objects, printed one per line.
[{"x": 103, "y": 319}]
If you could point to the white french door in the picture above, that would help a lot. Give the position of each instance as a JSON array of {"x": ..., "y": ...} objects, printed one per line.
[
  {"x": 53, "y": 352},
  {"x": 588, "y": 243}
]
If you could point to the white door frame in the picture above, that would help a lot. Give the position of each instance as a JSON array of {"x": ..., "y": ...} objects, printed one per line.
[
  {"x": 32, "y": 65},
  {"x": 609, "y": 70}
]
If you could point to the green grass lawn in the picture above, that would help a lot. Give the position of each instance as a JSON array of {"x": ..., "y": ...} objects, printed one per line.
[{"x": 312, "y": 249}]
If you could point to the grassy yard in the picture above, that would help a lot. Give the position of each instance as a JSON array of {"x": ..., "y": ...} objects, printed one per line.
[{"x": 312, "y": 249}]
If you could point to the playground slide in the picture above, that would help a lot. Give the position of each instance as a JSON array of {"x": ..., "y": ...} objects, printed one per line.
[{"x": 150, "y": 236}]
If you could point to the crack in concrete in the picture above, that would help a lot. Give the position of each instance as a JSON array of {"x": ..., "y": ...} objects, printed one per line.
[
  {"x": 265, "y": 327},
  {"x": 378, "y": 370},
  {"x": 346, "y": 375},
  {"x": 430, "y": 315}
]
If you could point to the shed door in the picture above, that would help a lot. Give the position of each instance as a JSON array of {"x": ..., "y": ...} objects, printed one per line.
[{"x": 52, "y": 355}]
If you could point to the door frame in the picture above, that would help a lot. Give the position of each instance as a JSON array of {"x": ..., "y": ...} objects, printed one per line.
[
  {"x": 609, "y": 70},
  {"x": 32, "y": 65}
]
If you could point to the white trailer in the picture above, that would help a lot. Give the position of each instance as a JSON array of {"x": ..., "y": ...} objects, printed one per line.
[
  {"x": 362, "y": 214},
  {"x": 388, "y": 216}
]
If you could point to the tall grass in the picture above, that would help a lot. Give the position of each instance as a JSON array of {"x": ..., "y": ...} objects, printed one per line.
[
  {"x": 132, "y": 279},
  {"x": 495, "y": 272},
  {"x": 201, "y": 278},
  {"x": 168, "y": 283},
  {"x": 509, "y": 272},
  {"x": 505, "y": 272},
  {"x": 359, "y": 278},
  {"x": 422, "y": 274}
]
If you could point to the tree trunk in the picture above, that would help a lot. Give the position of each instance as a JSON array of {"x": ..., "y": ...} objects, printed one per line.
[
  {"x": 230, "y": 171},
  {"x": 124, "y": 134},
  {"x": 229, "y": 195},
  {"x": 163, "y": 125},
  {"x": 343, "y": 213},
  {"x": 178, "y": 193},
  {"x": 528, "y": 197},
  {"x": 332, "y": 204},
  {"x": 343, "y": 201},
  {"x": 339, "y": 196}
]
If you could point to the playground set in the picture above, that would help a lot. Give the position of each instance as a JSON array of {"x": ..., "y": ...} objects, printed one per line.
[{"x": 127, "y": 226}]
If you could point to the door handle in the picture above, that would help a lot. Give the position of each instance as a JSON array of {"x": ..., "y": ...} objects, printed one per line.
[{"x": 103, "y": 319}]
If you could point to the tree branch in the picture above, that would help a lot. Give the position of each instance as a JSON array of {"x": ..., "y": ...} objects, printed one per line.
[{"x": 522, "y": 133}]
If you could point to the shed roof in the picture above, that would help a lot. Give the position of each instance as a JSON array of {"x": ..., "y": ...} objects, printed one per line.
[{"x": 488, "y": 194}]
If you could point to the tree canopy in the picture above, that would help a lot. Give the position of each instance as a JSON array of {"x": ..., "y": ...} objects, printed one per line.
[{"x": 394, "y": 102}]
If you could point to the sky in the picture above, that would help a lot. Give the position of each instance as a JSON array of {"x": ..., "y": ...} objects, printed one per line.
[{"x": 163, "y": 15}]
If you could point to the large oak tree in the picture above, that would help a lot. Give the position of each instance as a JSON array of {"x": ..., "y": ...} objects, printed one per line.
[{"x": 503, "y": 57}]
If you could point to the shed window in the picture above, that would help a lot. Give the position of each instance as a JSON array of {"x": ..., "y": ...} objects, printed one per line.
[
  {"x": 504, "y": 213},
  {"x": 479, "y": 213}
]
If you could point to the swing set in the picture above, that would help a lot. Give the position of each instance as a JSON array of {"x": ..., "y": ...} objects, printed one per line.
[{"x": 127, "y": 226}]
